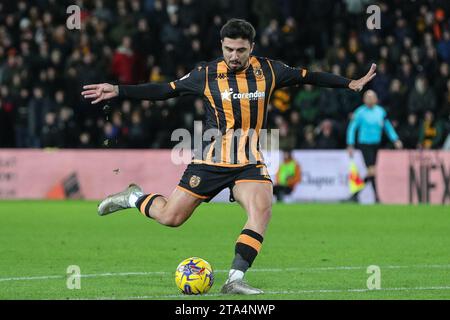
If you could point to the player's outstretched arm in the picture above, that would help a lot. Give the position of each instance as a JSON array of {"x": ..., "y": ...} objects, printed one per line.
[
  {"x": 148, "y": 91},
  {"x": 330, "y": 80}
]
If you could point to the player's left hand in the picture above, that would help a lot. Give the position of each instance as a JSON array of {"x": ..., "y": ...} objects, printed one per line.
[{"x": 358, "y": 85}]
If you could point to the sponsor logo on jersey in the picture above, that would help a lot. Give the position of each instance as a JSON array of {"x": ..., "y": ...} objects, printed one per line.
[{"x": 229, "y": 94}]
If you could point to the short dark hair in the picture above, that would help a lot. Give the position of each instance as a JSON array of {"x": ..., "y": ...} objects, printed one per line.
[{"x": 238, "y": 28}]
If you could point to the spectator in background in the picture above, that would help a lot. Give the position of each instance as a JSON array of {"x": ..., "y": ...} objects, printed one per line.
[
  {"x": 329, "y": 103},
  {"x": 281, "y": 99},
  {"x": 87, "y": 70},
  {"x": 422, "y": 97},
  {"x": 171, "y": 32},
  {"x": 406, "y": 75},
  {"x": 396, "y": 101},
  {"x": 431, "y": 132},
  {"x": 123, "y": 62},
  {"x": 306, "y": 102},
  {"x": 440, "y": 84},
  {"x": 212, "y": 34},
  {"x": 85, "y": 141},
  {"x": 381, "y": 83},
  {"x": 110, "y": 135},
  {"x": 287, "y": 137},
  {"x": 7, "y": 108},
  {"x": 21, "y": 119},
  {"x": 38, "y": 106},
  {"x": 327, "y": 137},
  {"x": 9, "y": 67},
  {"x": 51, "y": 135},
  {"x": 443, "y": 47},
  {"x": 136, "y": 132},
  {"x": 289, "y": 39},
  {"x": 119, "y": 130},
  {"x": 273, "y": 33},
  {"x": 309, "y": 140},
  {"x": 68, "y": 127},
  {"x": 409, "y": 132},
  {"x": 445, "y": 108},
  {"x": 296, "y": 127}
]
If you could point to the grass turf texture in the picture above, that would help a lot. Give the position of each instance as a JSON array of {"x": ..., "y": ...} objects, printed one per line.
[{"x": 127, "y": 256}]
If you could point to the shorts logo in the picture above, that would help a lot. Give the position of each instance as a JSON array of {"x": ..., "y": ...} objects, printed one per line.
[
  {"x": 194, "y": 181},
  {"x": 258, "y": 73}
]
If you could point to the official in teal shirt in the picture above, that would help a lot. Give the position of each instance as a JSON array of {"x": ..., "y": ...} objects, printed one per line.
[{"x": 366, "y": 127}]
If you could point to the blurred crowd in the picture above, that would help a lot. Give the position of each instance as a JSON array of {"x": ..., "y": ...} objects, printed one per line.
[{"x": 43, "y": 66}]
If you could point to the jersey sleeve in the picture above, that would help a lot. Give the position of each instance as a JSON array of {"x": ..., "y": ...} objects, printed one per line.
[
  {"x": 286, "y": 76},
  {"x": 192, "y": 83}
]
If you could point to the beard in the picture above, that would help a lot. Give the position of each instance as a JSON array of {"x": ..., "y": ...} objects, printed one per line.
[{"x": 236, "y": 65}]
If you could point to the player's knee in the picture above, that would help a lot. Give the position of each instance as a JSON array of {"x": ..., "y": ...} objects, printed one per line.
[
  {"x": 262, "y": 213},
  {"x": 172, "y": 220}
]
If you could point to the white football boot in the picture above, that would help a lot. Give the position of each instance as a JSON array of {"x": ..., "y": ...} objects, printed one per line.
[
  {"x": 239, "y": 287},
  {"x": 119, "y": 201}
]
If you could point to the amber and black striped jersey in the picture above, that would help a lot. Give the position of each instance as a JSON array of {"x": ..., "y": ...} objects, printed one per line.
[{"x": 235, "y": 103}]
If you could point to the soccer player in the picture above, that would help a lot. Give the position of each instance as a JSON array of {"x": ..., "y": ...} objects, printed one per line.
[
  {"x": 370, "y": 120},
  {"x": 236, "y": 90}
]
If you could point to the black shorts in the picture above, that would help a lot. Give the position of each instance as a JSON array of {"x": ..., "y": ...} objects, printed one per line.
[
  {"x": 206, "y": 181},
  {"x": 369, "y": 152}
]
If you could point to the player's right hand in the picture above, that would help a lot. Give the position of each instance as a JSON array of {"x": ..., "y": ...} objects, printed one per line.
[
  {"x": 358, "y": 85},
  {"x": 100, "y": 92}
]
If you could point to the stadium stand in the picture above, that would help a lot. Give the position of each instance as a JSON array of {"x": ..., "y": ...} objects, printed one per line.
[{"x": 43, "y": 66}]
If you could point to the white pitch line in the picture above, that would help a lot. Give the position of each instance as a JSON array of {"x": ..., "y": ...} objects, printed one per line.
[
  {"x": 290, "y": 292},
  {"x": 31, "y": 278},
  {"x": 150, "y": 273},
  {"x": 94, "y": 275}
]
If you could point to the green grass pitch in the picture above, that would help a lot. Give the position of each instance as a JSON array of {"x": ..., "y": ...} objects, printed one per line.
[{"x": 311, "y": 251}]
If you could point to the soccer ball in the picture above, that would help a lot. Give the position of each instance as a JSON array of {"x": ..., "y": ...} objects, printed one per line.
[{"x": 194, "y": 276}]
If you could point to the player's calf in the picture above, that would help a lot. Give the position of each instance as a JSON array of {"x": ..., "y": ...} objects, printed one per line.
[
  {"x": 171, "y": 212},
  {"x": 145, "y": 202}
]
